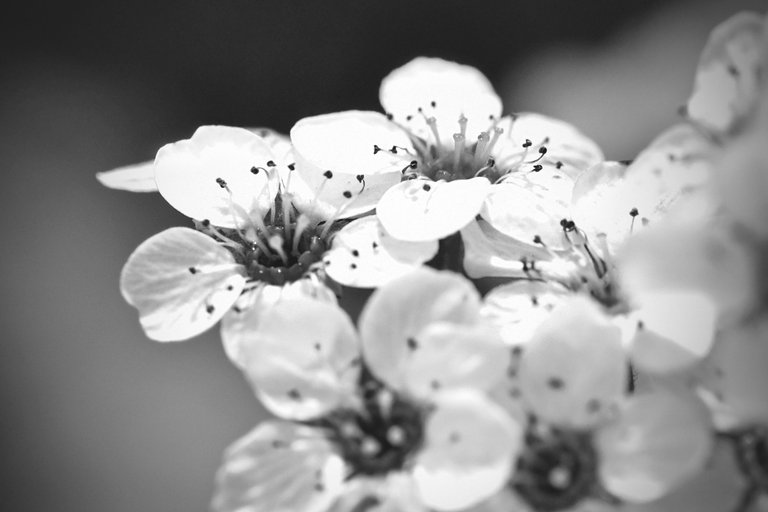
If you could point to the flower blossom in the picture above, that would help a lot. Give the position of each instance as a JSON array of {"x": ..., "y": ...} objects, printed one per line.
[
  {"x": 252, "y": 243},
  {"x": 449, "y": 155},
  {"x": 717, "y": 246},
  {"x": 395, "y": 415},
  {"x": 591, "y": 444}
]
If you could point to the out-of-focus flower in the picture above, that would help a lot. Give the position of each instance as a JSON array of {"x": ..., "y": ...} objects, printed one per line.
[
  {"x": 252, "y": 245},
  {"x": 397, "y": 417},
  {"x": 592, "y": 445},
  {"x": 449, "y": 155}
]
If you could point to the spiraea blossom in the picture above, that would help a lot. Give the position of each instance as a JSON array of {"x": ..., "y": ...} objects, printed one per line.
[
  {"x": 717, "y": 246},
  {"x": 396, "y": 415},
  {"x": 259, "y": 235},
  {"x": 449, "y": 154},
  {"x": 591, "y": 444}
]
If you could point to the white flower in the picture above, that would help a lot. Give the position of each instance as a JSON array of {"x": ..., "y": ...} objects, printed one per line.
[
  {"x": 252, "y": 245},
  {"x": 402, "y": 405},
  {"x": 592, "y": 445},
  {"x": 445, "y": 153}
]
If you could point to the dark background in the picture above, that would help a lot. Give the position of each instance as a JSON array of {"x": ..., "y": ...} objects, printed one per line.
[{"x": 95, "y": 417}]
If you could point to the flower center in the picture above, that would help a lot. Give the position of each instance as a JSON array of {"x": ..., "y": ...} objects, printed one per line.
[
  {"x": 277, "y": 247},
  {"x": 556, "y": 470},
  {"x": 752, "y": 455},
  {"x": 469, "y": 155},
  {"x": 380, "y": 437}
]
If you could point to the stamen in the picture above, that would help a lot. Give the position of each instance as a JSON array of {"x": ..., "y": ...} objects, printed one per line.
[
  {"x": 302, "y": 223},
  {"x": 458, "y": 148},
  {"x": 633, "y": 213},
  {"x": 350, "y": 199},
  {"x": 463, "y": 125},
  {"x": 276, "y": 243},
  {"x": 482, "y": 143},
  {"x": 496, "y": 134},
  {"x": 432, "y": 123}
]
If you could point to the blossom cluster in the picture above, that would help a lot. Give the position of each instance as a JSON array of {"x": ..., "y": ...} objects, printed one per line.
[{"x": 619, "y": 354}]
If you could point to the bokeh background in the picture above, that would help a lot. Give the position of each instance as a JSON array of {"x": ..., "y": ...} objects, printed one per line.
[{"x": 95, "y": 417}]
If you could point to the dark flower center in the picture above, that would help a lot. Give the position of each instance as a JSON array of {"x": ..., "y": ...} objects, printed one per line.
[
  {"x": 752, "y": 455},
  {"x": 556, "y": 470},
  {"x": 382, "y": 436}
]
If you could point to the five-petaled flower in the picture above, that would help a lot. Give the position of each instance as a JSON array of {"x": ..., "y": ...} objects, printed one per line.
[
  {"x": 400, "y": 413},
  {"x": 591, "y": 443},
  {"x": 448, "y": 155},
  {"x": 260, "y": 235}
]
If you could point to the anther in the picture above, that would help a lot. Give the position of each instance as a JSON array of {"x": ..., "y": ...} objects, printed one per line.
[
  {"x": 291, "y": 167},
  {"x": 192, "y": 270},
  {"x": 271, "y": 163},
  {"x": 527, "y": 143},
  {"x": 328, "y": 174},
  {"x": 360, "y": 178},
  {"x": 221, "y": 182},
  {"x": 426, "y": 187},
  {"x": 347, "y": 194}
]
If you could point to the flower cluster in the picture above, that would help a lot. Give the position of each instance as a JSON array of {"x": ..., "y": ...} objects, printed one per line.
[{"x": 619, "y": 355}]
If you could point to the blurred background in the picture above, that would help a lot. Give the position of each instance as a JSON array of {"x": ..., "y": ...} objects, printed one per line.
[{"x": 95, "y": 417}]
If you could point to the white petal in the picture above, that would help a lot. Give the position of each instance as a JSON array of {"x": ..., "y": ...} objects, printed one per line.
[
  {"x": 187, "y": 173},
  {"x": 660, "y": 441},
  {"x": 716, "y": 488},
  {"x": 279, "y": 467},
  {"x": 531, "y": 204},
  {"x": 393, "y": 492},
  {"x": 445, "y": 355},
  {"x": 517, "y": 309},
  {"x": 675, "y": 330},
  {"x": 574, "y": 370},
  {"x": 704, "y": 256},
  {"x": 454, "y": 88},
  {"x": 133, "y": 178},
  {"x": 470, "y": 448},
  {"x": 400, "y": 309},
  {"x": 279, "y": 144},
  {"x": 503, "y": 501},
  {"x": 240, "y": 326},
  {"x": 182, "y": 283},
  {"x": 730, "y": 73},
  {"x": 742, "y": 178},
  {"x": 619, "y": 200},
  {"x": 490, "y": 253},
  {"x": 364, "y": 255},
  {"x": 735, "y": 376},
  {"x": 421, "y": 210},
  {"x": 343, "y": 143},
  {"x": 574, "y": 151},
  {"x": 304, "y": 360}
]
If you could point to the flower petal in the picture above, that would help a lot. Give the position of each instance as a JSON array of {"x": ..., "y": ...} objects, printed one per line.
[
  {"x": 441, "y": 89},
  {"x": 490, "y": 253},
  {"x": 675, "y": 330},
  {"x": 366, "y": 256},
  {"x": 470, "y": 448},
  {"x": 660, "y": 441},
  {"x": 393, "y": 492},
  {"x": 703, "y": 256},
  {"x": 187, "y": 174},
  {"x": 730, "y": 72},
  {"x": 527, "y": 205},
  {"x": 715, "y": 489},
  {"x": 517, "y": 309},
  {"x": 445, "y": 355},
  {"x": 279, "y": 144},
  {"x": 566, "y": 147},
  {"x": 735, "y": 377},
  {"x": 279, "y": 467},
  {"x": 421, "y": 210},
  {"x": 343, "y": 143},
  {"x": 399, "y": 310},
  {"x": 574, "y": 370},
  {"x": 241, "y": 325},
  {"x": 133, "y": 178},
  {"x": 618, "y": 200},
  {"x": 304, "y": 360},
  {"x": 182, "y": 283}
]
